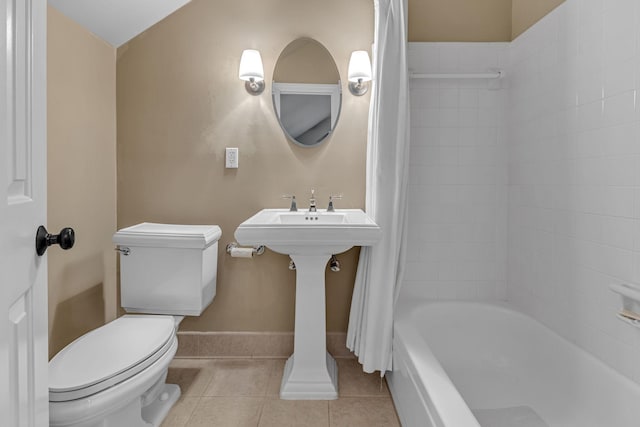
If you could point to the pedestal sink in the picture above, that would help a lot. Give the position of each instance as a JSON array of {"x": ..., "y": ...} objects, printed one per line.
[{"x": 309, "y": 238}]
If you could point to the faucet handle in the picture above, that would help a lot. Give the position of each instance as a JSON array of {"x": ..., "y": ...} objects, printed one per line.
[
  {"x": 333, "y": 197},
  {"x": 294, "y": 206}
]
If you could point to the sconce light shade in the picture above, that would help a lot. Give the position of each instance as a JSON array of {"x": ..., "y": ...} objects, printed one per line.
[
  {"x": 251, "y": 65},
  {"x": 251, "y": 71},
  {"x": 359, "y": 72},
  {"x": 359, "y": 66}
]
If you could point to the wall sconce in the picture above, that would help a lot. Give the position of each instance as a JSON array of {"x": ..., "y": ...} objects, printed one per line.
[
  {"x": 359, "y": 72},
  {"x": 252, "y": 72}
]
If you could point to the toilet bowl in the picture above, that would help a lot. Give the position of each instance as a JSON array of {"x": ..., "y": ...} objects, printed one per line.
[
  {"x": 105, "y": 377},
  {"x": 114, "y": 376}
]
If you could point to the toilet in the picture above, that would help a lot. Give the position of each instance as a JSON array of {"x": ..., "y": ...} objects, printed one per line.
[{"x": 114, "y": 376}]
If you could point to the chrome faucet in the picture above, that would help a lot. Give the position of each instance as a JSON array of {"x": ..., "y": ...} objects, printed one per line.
[
  {"x": 312, "y": 202},
  {"x": 294, "y": 206},
  {"x": 330, "y": 208}
]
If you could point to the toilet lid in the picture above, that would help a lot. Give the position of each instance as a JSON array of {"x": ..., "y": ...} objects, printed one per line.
[{"x": 109, "y": 355}]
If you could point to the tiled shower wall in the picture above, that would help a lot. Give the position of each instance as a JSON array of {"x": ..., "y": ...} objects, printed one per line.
[
  {"x": 458, "y": 174},
  {"x": 457, "y": 184},
  {"x": 574, "y": 174},
  {"x": 569, "y": 123}
]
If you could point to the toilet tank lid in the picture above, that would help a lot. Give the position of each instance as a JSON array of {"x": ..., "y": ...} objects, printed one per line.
[{"x": 151, "y": 234}]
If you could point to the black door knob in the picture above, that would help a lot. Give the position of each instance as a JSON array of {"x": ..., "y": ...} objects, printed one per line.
[{"x": 66, "y": 238}]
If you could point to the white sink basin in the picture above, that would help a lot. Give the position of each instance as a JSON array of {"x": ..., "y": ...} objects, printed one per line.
[{"x": 308, "y": 232}]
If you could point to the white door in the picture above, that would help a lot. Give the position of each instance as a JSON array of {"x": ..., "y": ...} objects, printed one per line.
[{"x": 23, "y": 203}]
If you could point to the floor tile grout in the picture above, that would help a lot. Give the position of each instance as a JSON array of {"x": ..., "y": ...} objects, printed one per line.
[
  {"x": 186, "y": 424},
  {"x": 261, "y": 411}
]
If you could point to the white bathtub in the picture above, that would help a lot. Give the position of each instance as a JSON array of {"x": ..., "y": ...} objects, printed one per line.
[{"x": 466, "y": 364}]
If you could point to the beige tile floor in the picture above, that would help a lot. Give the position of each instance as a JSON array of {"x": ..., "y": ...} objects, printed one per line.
[{"x": 244, "y": 392}]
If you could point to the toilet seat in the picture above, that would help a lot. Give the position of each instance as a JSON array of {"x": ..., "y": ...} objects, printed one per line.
[{"x": 109, "y": 355}]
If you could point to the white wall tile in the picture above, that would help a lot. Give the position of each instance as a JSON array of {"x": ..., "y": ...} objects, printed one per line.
[
  {"x": 595, "y": 171},
  {"x": 619, "y": 76},
  {"x": 449, "y": 97},
  {"x": 425, "y": 98},
  {"x": 469, "y": 98},
  {"x": 457, "y": 174}
]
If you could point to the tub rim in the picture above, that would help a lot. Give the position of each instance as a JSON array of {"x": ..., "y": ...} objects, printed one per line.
[{"x": 443, "y": 403}]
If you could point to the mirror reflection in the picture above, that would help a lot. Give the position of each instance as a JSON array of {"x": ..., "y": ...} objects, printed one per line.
[{"x": 306, "y": 92}]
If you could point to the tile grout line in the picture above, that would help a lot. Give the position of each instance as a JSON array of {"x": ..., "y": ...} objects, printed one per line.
[
  {"x": 186, "y": 424},
  {"x": 264, "y": 396},
  {"x": 212, "y": 367},
  {"x": 264, "y": 402}
]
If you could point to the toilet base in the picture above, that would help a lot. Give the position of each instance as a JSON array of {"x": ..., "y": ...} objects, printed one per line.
[
  {"x": 156, "y": 411},
  {"x": 133, "y": 415}
]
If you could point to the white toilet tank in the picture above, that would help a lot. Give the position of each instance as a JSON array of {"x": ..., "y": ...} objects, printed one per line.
[{"x": 168, "y": 268}]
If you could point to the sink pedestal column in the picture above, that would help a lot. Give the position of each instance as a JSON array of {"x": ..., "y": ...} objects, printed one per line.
[{"x": 310, "y": 373}]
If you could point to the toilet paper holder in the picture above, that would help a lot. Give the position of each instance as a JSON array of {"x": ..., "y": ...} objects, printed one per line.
[{"x": 257, "y": 250}]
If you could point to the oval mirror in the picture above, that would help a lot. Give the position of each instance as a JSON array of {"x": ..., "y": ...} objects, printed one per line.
[{"x": 306, "y": 92}]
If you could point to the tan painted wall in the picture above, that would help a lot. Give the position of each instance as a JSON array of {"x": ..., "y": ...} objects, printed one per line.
[
  {"x": 81, "y": 178},
  {"x": 473, "y": 20},
  {"x": 459, "y": 20},
  {"x": 180, "y": 103},
  {"x": 525, "y": 13}
]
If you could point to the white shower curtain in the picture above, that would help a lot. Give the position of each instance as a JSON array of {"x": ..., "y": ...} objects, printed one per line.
[{"x": 380, "y": 267}]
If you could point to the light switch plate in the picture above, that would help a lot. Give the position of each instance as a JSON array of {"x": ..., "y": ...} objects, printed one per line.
[{"x": 231, "y": 158}]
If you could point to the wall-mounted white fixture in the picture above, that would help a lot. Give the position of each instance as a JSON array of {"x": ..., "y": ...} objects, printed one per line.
[
  {"x": 497, "y": 74},
  {"x": 494, "y": 77},
  {"x": 630, "y": 312},
  {"x": 251, "y": 71},
  {"x": 231, "y": 158},
  {"x": 359, "y": 72}
]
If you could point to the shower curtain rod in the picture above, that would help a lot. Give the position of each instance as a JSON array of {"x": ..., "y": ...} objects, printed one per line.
[{"x": 493, "y": 75}]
